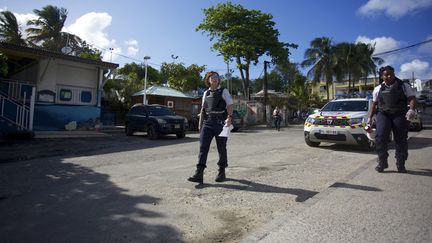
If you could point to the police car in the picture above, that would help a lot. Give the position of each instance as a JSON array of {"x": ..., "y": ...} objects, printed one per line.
[{"x": 340, "y": 121}]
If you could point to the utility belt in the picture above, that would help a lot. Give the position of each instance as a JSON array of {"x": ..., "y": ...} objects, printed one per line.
[
  {"x": 393, "y": 112},
  {"x": 215, "y": 116}
]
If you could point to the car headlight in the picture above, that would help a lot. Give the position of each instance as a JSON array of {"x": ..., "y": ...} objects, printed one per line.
[
  {"x": 354, "y": 121},
  {"x": 310, "y": 120},
  {"x": 161, "y": 121},
  {"x": 185, "y": 120}
]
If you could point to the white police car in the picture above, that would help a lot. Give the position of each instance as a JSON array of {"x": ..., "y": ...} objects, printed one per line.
[{"x": 339, "y": 121}]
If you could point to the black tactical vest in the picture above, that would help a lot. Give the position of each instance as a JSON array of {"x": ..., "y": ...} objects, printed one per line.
[
  {"x": 392, "y": 99},
  {"x": 215, "y": 105}
]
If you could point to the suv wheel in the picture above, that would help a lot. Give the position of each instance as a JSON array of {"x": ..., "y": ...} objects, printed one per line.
[
  {"x": 310, "y": 143},
  {"x": 181, "y": 135},
  {"x": 152, "y": 133},
  {"x": 128, "y": 130}
]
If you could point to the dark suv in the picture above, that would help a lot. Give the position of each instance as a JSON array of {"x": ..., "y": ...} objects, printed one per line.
[{"x": 156, "y": 120}]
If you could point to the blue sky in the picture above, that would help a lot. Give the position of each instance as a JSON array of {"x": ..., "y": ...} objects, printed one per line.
[{"x": 162, "y": 28}]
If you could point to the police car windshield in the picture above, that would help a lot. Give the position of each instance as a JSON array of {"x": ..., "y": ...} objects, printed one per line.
[
  {"x": 159, "y": 111},
  {"x": 352, "y": 105}
]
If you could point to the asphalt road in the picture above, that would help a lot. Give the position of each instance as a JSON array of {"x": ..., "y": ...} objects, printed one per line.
[{"x": 130, "y": 189}]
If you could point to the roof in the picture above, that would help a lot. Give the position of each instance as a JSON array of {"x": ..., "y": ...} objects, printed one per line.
[
  {"x": 163, "y": 91},
  {"x": 31, "y": 52},
  {"x": 270, "y": 92}
]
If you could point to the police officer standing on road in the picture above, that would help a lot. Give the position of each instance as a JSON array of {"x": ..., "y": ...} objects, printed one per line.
[
  {"x": 390, "y": 101},
  {"x": 216, "y": 112}
]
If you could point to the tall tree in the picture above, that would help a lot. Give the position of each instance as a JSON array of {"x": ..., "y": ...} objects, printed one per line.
[
  {"x": 347, "y": 65},
  {"x": 181, "y": 77},
  {"x": 321, "y": 56},
  {"x": 244, "y": 35},
  {"x": 368, "y": 61},
  {"x": 46, "y": 30},
  {"x": 9, "y": 29},
  {"x": 300, "y": 91},
  {"x": 136, "y": 72}
]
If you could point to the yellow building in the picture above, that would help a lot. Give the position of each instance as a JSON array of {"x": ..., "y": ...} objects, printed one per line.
[{"x": 341, "y": 88}]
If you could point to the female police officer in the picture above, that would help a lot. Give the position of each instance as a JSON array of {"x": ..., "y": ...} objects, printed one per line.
[
  {"x": 217, "y": 110},
  {"x": 390, "y": 101}
]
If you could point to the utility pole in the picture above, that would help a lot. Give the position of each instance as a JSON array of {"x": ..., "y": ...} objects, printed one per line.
[
  {"x": 146, "y": 58},
  {"x": 265, "y": 90}
]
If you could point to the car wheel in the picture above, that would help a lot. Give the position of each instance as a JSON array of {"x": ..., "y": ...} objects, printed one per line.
[
  {"x": 310, "y": 143},
  {"x": 128, "y": 130},
  {"x": 152, "y": 133},
  {"x": 181, "y": 135}
]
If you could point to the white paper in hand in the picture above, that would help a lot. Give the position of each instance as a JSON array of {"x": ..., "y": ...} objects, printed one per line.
[{"x": 226, "y": 131}]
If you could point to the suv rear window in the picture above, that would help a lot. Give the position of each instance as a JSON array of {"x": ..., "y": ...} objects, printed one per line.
[{"x": 352, "y": 105}]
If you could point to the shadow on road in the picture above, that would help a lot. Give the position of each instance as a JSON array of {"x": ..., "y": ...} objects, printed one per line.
[
  {"x": 419, "y": 143},
  {"x": 20, "y": 150},
  {"x": 356, "y": 187},
  {"x": 54, "y": 201},
  {"x": 302, "y": 195}
]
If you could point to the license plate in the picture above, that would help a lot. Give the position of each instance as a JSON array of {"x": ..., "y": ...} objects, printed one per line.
[
  {"x": 177, "y": 126},
  {"x": 332, "y": 132}
]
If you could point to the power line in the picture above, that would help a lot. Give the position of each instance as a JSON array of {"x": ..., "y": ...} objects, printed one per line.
[{"x": 403, "y": 48}]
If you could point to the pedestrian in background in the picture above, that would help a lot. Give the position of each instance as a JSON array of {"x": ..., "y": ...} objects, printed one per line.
[
  {"x": 390, "y": 104},
  {"x": 217, "y": 110},
  {"x": 277, "y": 118}
]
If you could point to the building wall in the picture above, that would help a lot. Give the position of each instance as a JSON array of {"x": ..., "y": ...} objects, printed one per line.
[
  {"x": 66, "y": 82},
  {"x": 67, "y": 92},
  {"x": 342, "y": 87}
]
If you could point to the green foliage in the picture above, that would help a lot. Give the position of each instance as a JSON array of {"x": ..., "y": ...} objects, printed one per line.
[
  {"x": 322, "y": 57},
  {"x": 244, "y": 35},
  {"x": 3, "y": 65},
  {"x": 47, "y": 28},
  {"x": 153, "y": 76},
  {"x": 181, "y": 77},
  {"x": 300, "y": 90},
  {"x": 9, "y": 29}
]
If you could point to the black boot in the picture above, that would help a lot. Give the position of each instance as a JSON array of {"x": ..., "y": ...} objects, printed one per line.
[
  {"x": 198, "y": 177},
  {"x": 221, "y": 175},
  {"x": 382, "y": 164},
  {"x": 401, "y": 167}
]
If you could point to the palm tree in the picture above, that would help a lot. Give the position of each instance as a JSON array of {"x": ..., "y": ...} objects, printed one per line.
[
  {"x": 346, "y": 62},
  {"x": 367, "y": 61},
  {"x": 321, "y": 56},
  {"x": 9, "y": 29},
  {"x": 48, "y": 27}
]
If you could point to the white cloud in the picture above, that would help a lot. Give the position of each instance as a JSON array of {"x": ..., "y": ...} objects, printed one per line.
[
  {"x": 394, "y": 8},
  {"x": 419, "y": 68},
  {"x": 132, "y": 47},
  {"x": 91, "y": 28},
  {"x": 382, "y": 44}
]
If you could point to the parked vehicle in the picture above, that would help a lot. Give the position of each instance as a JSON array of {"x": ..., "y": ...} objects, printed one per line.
[
  {"x": 339, "y": 121},
  {"x": 156, "y": 120}
]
